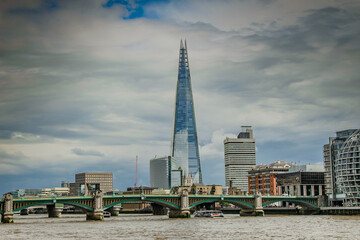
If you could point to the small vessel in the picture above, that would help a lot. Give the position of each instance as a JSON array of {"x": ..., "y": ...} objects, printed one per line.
[{"x": 208, "y": 213}]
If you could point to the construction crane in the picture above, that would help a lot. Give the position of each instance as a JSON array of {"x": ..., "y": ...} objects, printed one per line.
[{"x": 136, "y": 170}]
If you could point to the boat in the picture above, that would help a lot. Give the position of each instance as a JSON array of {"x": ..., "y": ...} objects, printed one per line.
[{"x": 209, "y": 213}]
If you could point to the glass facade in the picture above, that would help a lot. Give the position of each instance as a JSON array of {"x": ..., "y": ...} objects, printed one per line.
[
  {"x": 347, "y": 169},
  {"x": 185, "y": 147},
  {"x": 331, "y": 153}
]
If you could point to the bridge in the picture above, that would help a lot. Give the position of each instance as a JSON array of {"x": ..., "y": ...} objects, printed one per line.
[{"x": 179, "y": 205}]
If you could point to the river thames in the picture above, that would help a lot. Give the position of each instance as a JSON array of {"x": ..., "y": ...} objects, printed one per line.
[{"x": 161, "y": 227}]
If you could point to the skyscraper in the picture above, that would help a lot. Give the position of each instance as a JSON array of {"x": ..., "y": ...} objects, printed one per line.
[
  {"x": 184, "y": 147},
  {"x": 240, "y": 157}
]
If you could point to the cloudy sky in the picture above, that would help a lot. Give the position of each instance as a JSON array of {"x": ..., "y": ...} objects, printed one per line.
[{"x": 88, "y": 85}]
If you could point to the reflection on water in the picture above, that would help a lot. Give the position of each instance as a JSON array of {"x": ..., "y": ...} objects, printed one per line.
[{"x": 161, "y": 227}]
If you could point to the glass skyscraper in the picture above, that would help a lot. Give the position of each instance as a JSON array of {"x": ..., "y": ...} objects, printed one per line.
[{"x": 185, "y": 148}]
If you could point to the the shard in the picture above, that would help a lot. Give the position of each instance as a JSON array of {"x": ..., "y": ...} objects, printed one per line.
[{"x": 185, "y": 148}]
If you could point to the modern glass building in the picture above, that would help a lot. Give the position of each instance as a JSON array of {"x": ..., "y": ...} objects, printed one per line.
[
  {"x": 347, "y": 169},
  {"x": 163, "y": 173},
  {"x": 184, "y": 147},
  {"x": 331, "y": 153}
]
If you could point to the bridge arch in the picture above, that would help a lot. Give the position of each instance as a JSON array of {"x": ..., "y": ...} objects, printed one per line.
[
  {"x": 300, "y": 202},
  {"x": 235, "y": 202},
  {"x": 50, "y": 202},
  {"x": 149, "y": 200}
]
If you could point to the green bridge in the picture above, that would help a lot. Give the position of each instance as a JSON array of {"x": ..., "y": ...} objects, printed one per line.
[{"x": 178, "y": 205}]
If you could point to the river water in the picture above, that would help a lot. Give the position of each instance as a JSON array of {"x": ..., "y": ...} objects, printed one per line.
[{"x": 161, "y": 227}]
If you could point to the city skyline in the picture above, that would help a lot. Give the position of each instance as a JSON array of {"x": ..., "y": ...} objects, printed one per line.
[{"x": 86, "y": 85}]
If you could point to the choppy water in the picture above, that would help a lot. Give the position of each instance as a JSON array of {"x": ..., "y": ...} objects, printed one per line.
[{"x": 161, "y": 227}]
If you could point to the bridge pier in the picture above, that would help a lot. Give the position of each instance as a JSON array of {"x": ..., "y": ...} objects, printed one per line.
[
  {"x": 184, "y": 211},
  {"x": 8, "y": 215},
  {"x": 114, "y": 210},
  {"x": 98, "y": 213},
  {"x": 55, "y": 210},
  {"x": 258, "y": 209},
  {"x": 158, "y": 209}
]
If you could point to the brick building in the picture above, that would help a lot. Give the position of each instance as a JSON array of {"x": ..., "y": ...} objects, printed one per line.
[{"x": 263, "y": 177}]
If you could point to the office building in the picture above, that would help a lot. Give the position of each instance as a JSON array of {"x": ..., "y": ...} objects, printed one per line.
[
  {"x": 160, "y": 172},
  {"x": 44, "y": 192},
  {"x": 55, "y": 191},
  {"x": 85, "y": 183},
  {"x": 303, "y": 180},
  {"x": 240, "y": 157},
  {"x": 184, "y": 146},
  {"x": 330, "y": 151},
  {"x": 26, "y": 193},
  {"x": 262, "y": 177},
  {"x": 347, "y": 170}
]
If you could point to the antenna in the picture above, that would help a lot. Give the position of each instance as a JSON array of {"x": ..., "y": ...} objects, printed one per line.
[{"x": 136, "y": 171}]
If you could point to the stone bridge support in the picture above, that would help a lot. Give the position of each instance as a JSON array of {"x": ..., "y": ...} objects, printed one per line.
[
  {"x": 97, "y": 214},
  {"x": 258, "y": 209},
  {"x": 158, "y": 209},
  {"x": 55, "y": 210},
  {"x": 184, "y": 211},
  {"x": 115, "y": 210},
  {"x": 8, "y": 215}
]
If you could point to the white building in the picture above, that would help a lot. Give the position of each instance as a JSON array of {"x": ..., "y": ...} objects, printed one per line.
[
  {"x": 160, "y": 172},
  {"x": 240, "y": 157}
]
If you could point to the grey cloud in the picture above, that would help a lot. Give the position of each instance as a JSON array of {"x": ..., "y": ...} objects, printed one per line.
[
  {"x": 81, "y": 152},
  {"x": 314, "y": 31}
]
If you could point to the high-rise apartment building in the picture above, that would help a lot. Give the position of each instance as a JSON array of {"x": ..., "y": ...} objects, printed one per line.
[
  {"x": 184, "y": 147},
  {"x": 240, "y": 157},
  {"x": 331, "y": 150}
]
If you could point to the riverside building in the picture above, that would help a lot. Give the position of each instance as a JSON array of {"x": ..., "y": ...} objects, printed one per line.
[
  {"x": 240, "y": 157},
  {"x": 330, "y": 152},
  {"x": 302, "y": 180},
  {"x": 347, "y": 170},
  {"x": 184, "y": 146},
  {"x": 263, "y": 177}
]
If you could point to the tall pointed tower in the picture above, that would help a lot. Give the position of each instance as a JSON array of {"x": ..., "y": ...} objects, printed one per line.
[{"x": 185, "y": 148}]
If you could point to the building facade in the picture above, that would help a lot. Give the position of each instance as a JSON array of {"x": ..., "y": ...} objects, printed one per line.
[
  {"x": 347, "y": 170},
  {"x": 240, "y": 157},
  {"x": 184, "y": 146},
  {"x": 330, "y": 152},
  {"x": 262, "y": 178},
  {"x": 301, "y": 183},
  {"x": 85, "y": 183},
  {"x": 160, "y": 172}
]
